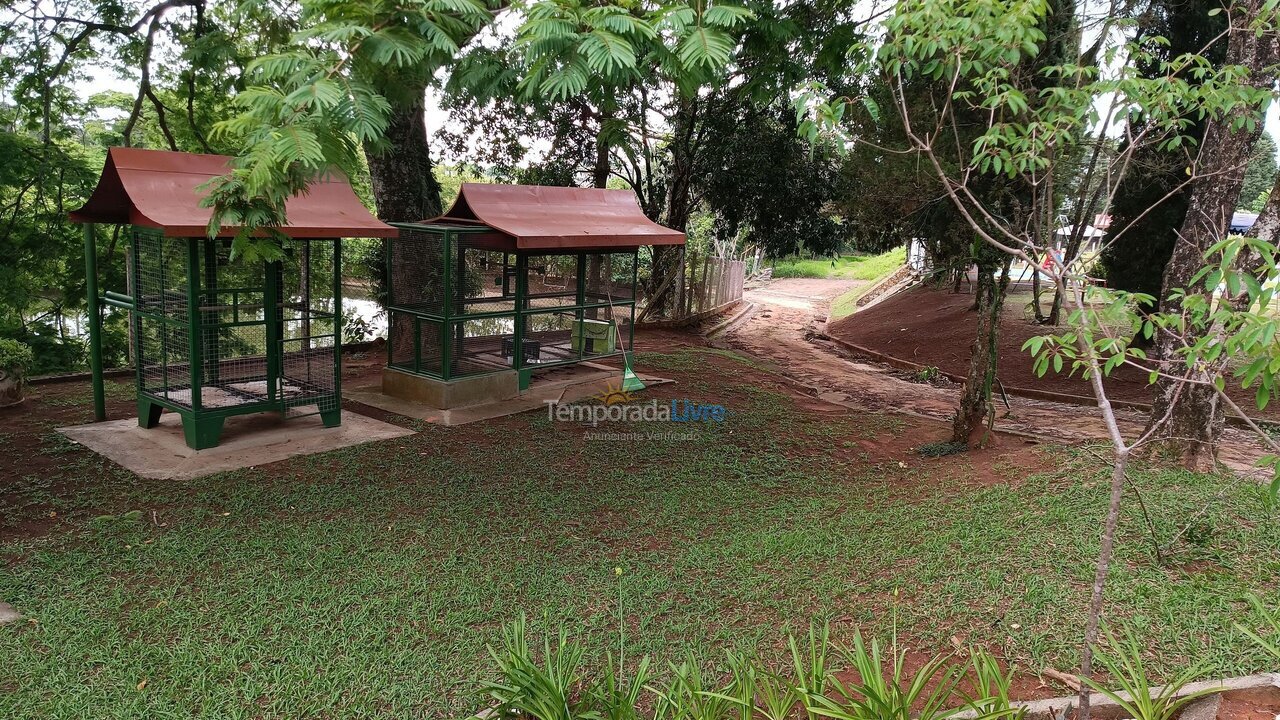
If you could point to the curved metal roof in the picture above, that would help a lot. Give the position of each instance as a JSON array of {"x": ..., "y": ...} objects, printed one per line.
[
  {"x": 160, "y": 189},
  {"x": 542, "y": 217}
]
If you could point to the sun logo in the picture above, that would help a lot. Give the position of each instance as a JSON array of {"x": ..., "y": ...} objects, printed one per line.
[{"x": 614, "y": 395}]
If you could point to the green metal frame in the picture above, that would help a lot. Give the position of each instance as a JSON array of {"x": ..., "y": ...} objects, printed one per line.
[
  {"x": 451, "y": 322},
  {"x": 202, "y": 426}
]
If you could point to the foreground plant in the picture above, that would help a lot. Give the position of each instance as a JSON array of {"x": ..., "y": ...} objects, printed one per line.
[
  {"x": 884, "y": 689},
  {"x": 1122, "y": 659},
  {"x": 1271, "y": 619},
  {"x": 557, "y": 686},
  {"x": 545, "y": 689}
]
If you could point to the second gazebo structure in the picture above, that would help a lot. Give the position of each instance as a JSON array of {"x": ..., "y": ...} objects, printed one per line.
[{"x": 511, "y": 280}]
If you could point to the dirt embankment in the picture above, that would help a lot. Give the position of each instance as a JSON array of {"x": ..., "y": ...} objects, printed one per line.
[{"x": 936, "y": 327}]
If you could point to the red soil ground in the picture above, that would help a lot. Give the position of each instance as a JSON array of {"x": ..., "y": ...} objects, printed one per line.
[{"x": 935, "y": 327}]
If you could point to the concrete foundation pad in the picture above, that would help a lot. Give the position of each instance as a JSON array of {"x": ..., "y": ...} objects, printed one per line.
[
  {"x": 587, "y": 380},
  {"x": 247, "y": 440}
]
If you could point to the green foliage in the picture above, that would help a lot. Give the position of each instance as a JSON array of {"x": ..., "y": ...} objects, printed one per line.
[
  {"x": 15, "y": 357},
  {"x": 309, "y": 109},
  {"x": 867, "y": 268},
  {"x": 927, "y": 374},
  {"x": 1259, "y": 175},
  {"x": 1225, "y": 316},
  {"x": 558, "y": 684},
  {"x": 544, "y": 689},
  {"x": 941, "y": 449},
  {"x": 884, "y": 689},
  {"x": 1151, "y": 199},
  {"x": 1271, "y": 622},
  {"x": 763, "y": 184},
  {"x": 1122, "y": 659}
]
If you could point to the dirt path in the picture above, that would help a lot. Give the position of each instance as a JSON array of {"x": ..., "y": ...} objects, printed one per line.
[{"x": 789, "y": 314}]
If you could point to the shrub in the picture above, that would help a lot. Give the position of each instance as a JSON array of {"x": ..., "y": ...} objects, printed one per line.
[
  {"x": 941, "y": 449},
  {"x": 1122, "y": 659},
  {"x": 16, "y": 358},
  {"x": 927, "y": 374}
]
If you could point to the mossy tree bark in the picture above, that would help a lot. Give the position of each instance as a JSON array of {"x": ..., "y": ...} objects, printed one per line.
[
  {"x": 977, "y": 411},
  {"x": 405, "y": 190},
  {"x": 1187, "y": 417}
]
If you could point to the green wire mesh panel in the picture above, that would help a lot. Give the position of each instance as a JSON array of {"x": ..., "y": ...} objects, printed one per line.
[
  {"x": 309, "y": 328},
  {"x": 488, "y": 282},
  {"x": 233, "y": 328},
  {"x": 415, "y": 286},
  {"x": 553, "y": 281},
  {"x": 160, "y": 324},
  {"x": 267, "y": 334},
  {"x": 609, "y": 277}
]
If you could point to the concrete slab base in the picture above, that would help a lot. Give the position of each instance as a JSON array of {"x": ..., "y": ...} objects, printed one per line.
[
  {"x": 8, "y": 614},
  {"x": 247, "y": 440},
  {"x": 1106, "y": 708},
  {"x": 475, "y": 390},
  {"x": 585, "y": 381}
]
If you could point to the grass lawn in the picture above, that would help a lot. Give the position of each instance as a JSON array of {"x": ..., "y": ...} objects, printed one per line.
[
  {"x": 365, "y": 582},
  {"x": 852, "y": 267}
]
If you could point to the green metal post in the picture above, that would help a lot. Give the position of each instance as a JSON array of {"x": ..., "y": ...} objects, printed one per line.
[
  {"x": 635, "y": 280},
  {"x": 460, "y": 289},
  {"x": 95, "y": 322},
  {"x": 195, "y": 324},
  {"x": 388, "y": 246},
  {"x": 271, "y": 315},
  {"x": 523, "y": 377},
  {"x": 201, "y": 429},
  {"x": 581, "y": 300},
  {"x": 446, "y": 364},
  {"x": 334, "y": 417}
]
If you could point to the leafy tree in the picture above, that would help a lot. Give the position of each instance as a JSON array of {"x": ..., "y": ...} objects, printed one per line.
[
  {"x": 1030, "y": 133},
  {"x": 763, "y": 184},
  {"x": 1259, "y": 175},
  {"x": 1151, "y": 201},
  {"x": 1188, "y": 418}
]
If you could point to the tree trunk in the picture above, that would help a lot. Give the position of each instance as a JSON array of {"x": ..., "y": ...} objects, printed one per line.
[
  {"x": 976, "y": 411},
  {"x": 1101, "y": 570},
  {"x": 668, "y": 260},
  {"x": 600, "y": 172},
  {"x": 1194, "y": 415},
  {"x": 405, "y": 190}
]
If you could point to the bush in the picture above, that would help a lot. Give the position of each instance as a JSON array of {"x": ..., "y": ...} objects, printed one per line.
[{"x": 16, "y": 358}]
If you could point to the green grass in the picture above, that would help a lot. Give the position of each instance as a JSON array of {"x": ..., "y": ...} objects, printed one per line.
[
  {"x": 868, "y": 268},
  {"x": 365, "y": 582},
  {"x": 849, "y": 267}
]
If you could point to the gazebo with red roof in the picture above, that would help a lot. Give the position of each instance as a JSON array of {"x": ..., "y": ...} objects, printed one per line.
[
  {"x": 213, "y": 337},
  {"x": 513, "y": 279}
]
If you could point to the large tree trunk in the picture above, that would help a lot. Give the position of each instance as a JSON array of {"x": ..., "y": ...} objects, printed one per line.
[
  {"x": 976, "y": 409},
  {"x": 404, "y": 187},
  {"x": 1187, "y": 417},
  {"x": 405, "y": 190},
  {"x": 668, "y": 261}
]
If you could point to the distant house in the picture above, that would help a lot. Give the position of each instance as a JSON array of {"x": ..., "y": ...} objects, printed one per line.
[{"x": 1241, "y": 222}]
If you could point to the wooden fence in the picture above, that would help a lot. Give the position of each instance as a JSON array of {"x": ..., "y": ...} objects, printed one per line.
[{"x": 707, "y": 285}]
